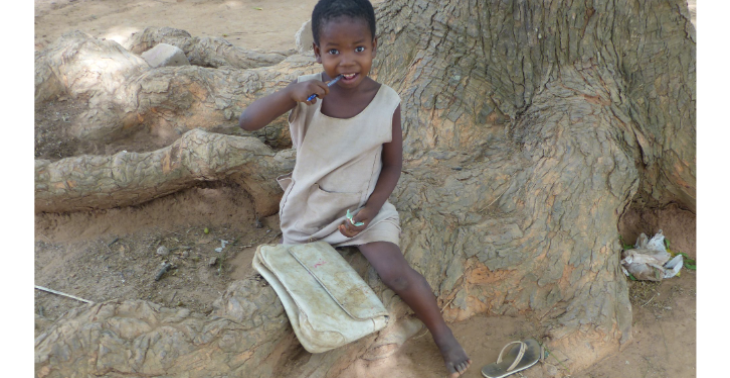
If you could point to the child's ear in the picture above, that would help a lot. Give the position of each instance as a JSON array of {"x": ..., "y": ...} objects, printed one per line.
[
  {"x": 375, "y": 46},
  {"x": 317, "y": 53}
]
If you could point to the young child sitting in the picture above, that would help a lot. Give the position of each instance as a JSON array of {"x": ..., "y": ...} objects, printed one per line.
[{"x": 349, "y": 155}]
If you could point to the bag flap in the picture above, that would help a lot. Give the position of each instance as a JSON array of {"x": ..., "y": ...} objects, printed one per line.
[
  {"x": 320, "y": 322},
  {"x": 339, "y": 279}
]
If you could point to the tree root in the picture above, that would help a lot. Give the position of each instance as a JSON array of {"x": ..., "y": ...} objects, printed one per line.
[
  {"x": 130, "y": 178},
  {"x": 125, "y": 96},
  {"x": 203, "y": 51}
]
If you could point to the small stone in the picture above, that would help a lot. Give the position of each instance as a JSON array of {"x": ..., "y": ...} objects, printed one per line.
[
  {"x": 165, "y": 55},
  {"x": 163, "y": 251},
  {"x": 185, "y": 254},
  {"x": 551, "y": 371},
  {"x": 165, "y": 267},
  {"x": 212, "y": 261}
]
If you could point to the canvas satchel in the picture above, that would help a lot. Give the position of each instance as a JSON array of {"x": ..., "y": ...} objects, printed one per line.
[{"x": 327, "y": 302}]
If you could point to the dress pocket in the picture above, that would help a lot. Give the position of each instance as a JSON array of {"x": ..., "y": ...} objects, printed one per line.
[{"x": 324, "y": 207}]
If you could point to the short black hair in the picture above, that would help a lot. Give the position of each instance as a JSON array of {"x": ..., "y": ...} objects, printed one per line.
[{"x": 327, "y": 10}]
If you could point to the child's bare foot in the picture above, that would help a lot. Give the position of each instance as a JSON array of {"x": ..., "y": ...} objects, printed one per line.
[{"x": 454, "y": 355}]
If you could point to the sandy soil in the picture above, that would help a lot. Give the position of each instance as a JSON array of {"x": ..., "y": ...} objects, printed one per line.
[
  {"x": 113, "y": 254},
  {"x": 239, "y": 21}
]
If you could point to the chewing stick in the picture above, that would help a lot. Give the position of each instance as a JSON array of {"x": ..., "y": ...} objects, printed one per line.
[{"x": 331, "y": 83}]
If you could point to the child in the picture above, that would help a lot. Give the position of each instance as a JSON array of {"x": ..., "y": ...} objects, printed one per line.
[{"x": 349, "y": 155}]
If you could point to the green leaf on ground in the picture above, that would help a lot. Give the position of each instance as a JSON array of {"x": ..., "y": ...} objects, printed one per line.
[
  {"x": 623, "y": 243},
  {"x": 687, "y": 259},
  {"x": 631, "y": 276},
  {"x": 258, "y": 8},
  {"x": 689, "y": 263}
]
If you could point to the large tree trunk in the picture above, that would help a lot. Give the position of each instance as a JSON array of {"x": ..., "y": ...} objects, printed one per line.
[
  {"x": 529, "y": 128},
  {"x": 562, "y": 116}
]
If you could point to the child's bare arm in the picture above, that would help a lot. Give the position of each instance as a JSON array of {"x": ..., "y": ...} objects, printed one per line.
[
  {"x": 389, "y": 175},
  {"x": 264, "y": 110},
  {"x": 392, "y": 163}
]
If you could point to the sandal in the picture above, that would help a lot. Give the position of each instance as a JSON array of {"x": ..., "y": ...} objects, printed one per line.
[{"x": 518, "y": 358}]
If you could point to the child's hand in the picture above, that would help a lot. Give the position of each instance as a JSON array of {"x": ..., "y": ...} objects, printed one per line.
[
  {"x": 349, "y": 229},
  {"x": 299, "y": 92}
]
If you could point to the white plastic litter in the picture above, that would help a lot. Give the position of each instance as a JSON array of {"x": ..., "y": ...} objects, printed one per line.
[
  {"x": 223, "y": 245},
  {"x": 673, "y": 266},
  {"x": 649, "y": 260}
]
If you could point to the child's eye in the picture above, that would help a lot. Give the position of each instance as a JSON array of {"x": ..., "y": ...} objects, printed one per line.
[
  {"x": 333, "y": 51},
  {"x": 360, "y": 49}
]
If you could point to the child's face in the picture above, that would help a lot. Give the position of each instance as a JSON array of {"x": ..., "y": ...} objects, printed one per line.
[{"x": 346, "y": 47}]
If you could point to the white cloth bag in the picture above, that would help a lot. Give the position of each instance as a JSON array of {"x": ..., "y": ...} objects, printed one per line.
[{"x": 327, "y": 302}]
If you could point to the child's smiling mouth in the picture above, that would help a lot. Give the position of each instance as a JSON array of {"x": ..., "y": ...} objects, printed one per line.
[{"x": 348, "y": 78}]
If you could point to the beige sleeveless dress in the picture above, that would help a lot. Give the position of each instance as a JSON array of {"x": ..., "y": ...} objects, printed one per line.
[{"x": 338, "y": 164}]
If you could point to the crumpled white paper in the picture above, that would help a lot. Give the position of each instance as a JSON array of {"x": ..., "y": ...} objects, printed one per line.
[
  {"x": 223, "y": 245},
  {"x": 649, "y": 260}
]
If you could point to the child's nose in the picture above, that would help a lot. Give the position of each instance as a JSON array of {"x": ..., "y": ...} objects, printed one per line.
[{"x": 347, "y": 60}]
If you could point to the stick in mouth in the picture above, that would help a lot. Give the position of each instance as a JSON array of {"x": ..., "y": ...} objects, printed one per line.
[{"x": 331, "y": 83}]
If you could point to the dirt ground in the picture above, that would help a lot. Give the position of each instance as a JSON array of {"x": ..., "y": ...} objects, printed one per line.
[{"x": 113, "y": 253}]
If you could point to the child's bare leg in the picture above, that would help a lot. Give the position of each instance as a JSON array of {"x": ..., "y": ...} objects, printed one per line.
[{"x": 410, "y": 285}]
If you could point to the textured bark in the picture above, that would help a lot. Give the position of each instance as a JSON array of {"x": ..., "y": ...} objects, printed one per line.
[
  {"x": 203, "y": 51},
  {"x": 529, "y": 128},
  {"x": 561, "y": 114},
  {"x": 126, "y": 96},
  {"x": 576, "y": 109},
  {"x": 117, "y": 339},
  {"x": 247, "y": 335},
  {"x": 129, "y": 178}
]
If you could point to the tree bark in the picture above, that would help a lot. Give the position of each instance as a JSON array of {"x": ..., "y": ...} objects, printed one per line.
[
  {"x": 204, "y": 51},
  {"x": 126, "y": 179},
  {"x": 579, "y": 110},
  {"x": 125, "y": 96},
  {"x": 529, "y": 128}
]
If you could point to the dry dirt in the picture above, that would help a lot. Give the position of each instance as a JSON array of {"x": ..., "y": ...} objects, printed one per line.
[{"x": 111, "y": 254}]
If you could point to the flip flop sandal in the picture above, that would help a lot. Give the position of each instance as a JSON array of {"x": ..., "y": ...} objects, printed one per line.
[{"x": 518, "y": 358}]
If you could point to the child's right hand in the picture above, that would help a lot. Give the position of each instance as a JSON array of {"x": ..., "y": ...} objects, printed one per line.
[{"x": 299, "y": 92}]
